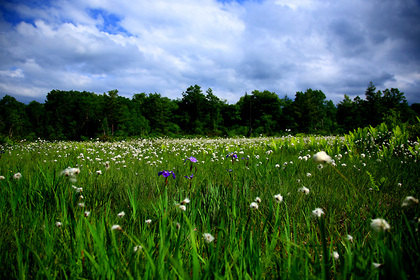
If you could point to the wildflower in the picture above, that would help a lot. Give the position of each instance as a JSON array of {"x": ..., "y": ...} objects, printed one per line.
[
  {"x": 254, "y": 205},
  {"x": 99, "y": 172},
  {"x": 121, "y": 214},
  {"x": 305, "y": 190},
  {"x": 318, "y": 212},
  {"x": 308, "y": 174},
  {"x": 178, "y": 225},
  {"x": 17, "y": 176},
  {"x": 322, "y": 157},
  {"x": 257, "y": 199},
  {"x": 182, "y": 207},
  {"x": 70, "y": 171},
  {"x": 336, "y": 255},
  {"x": 116, "y": 227},
  {"x": 185, "y": 201},
  {"x": 81, "y": 204},
  {"x": 409, "y": 201},
  {"x": 77, "y": 189},
  {"x": 58, "y": 224},
  {"x": 380, "y": 225},
  {"x": 148, "y": 222},
  {"x": 136, "y": 248},
  {"x": 208, "y": 237},
  {"x": 192, "y": 159},
  {"x": 320, "y": 166},
  {"x": 189, "y": 177},
  {"x": 166, "y": 173},
  {"x": 2, "y": 177},
  {"x": 87, "y": 213},
  {"x": 349, "y": 238},
  {"x": 376, "y": 265},
  {"x": 278, "y": 198},
  {"x": 232, "y": 155}
]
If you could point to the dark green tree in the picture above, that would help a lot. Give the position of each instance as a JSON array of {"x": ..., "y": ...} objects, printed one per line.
[
  {"x": 192, "y": 109},
  {"x": 14, "y": 123},
  {"x": 309, "y": 110}
]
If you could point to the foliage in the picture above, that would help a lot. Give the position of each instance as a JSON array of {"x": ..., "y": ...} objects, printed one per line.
[{"x": 74, "y": 115}]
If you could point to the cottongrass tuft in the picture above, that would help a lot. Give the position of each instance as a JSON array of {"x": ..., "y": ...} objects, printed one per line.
[
  {"x": 336, "y": 255},
  {"x": 17, "y": 176},
  {"x": 116, "y": 227},
  {"x": 137, "y": 248},
  {"x": 99, "y": 172},
  {"x": 278, "y": 198},
  {"x": 380, "y": 225},
  {"x": 2, "y": 177},
  {"x": 58, "y": 224},
  {"x": 87, "y": 213},
  {"x": 318, "y": 212},
  {"x": 121, "y": 214},
  {"x": 254, "y": 205},
  {"x": 257, "y": 199},
  {"x": 322, "y": 157},
  {"x": 409, "y": 201},
  {"x": 185, "y": 201},
  {"x": 148, "y": 222},
  {"x": 349, "y": 238},
  {"x": 208, "y": 237},
  {"x": 304, "y": 190},
  {"x": 182, "y": 207}
]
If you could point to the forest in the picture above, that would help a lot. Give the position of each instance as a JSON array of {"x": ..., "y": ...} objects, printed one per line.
[{"x": 75, "y": 115}]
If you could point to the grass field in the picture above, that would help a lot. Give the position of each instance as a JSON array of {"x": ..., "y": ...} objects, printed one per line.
[{"x": 211, "y": 208}]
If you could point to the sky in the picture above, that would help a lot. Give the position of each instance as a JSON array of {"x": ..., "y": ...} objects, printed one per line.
[{"x": 232, "y": 47}]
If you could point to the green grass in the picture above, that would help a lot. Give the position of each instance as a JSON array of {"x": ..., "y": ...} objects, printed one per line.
[{"x": 277, "y": 240}]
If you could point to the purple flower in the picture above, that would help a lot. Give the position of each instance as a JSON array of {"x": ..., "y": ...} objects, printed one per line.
[
  {"x": 166, "y": 173},
  {"x": 192, "y": 159},
  {"x": 189, "y": 177},
  {"x": 232, "y": 155}
]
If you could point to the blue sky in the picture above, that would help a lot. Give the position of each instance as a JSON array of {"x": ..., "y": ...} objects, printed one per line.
[{"x": 233, "y": 47}]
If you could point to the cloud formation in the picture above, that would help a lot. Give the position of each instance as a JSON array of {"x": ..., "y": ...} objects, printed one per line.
[{"x": 232, "y": 47}]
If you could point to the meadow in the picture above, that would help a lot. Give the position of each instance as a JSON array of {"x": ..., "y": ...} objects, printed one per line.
[{"x": 234, "y": 208}]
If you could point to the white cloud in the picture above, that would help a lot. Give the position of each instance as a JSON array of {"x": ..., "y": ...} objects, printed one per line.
[{"x": 164, "y": 46}]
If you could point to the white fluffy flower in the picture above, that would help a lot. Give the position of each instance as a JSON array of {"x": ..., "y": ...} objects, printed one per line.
[
  {"x": 185, "y": 201},
  {"x": 380, "y": 225},
  {"x": 99, "y": 172},
  {"x": 336, "y": 255},
  {"x": 182, "y": 207},
  {"x": 349, "y": 238},
  {"x": 208, "y": 237},
  {"x": 121, "y": 214},
  {"x": 148, "y": 222},
  {"x": 116, "y": 227},
  {"x": 305, "y": 190},
  {"x": 58, "y": 224},
  {"x": 254, "y": 205},
  {"x": 278, "y": 198},
  {"x": 17, "y": 176},
  {"x": 409, "y": 201},
  {"x": 318, "y": 212},
  {"x": 257, "y": 199},
  {"x": 322, "y": 157}
]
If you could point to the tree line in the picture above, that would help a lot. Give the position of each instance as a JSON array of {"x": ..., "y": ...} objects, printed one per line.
[{"x": 75, "y": 115}]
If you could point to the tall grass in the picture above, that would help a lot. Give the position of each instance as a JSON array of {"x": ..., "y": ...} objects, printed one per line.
[{"x": 50, "y": 229}]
